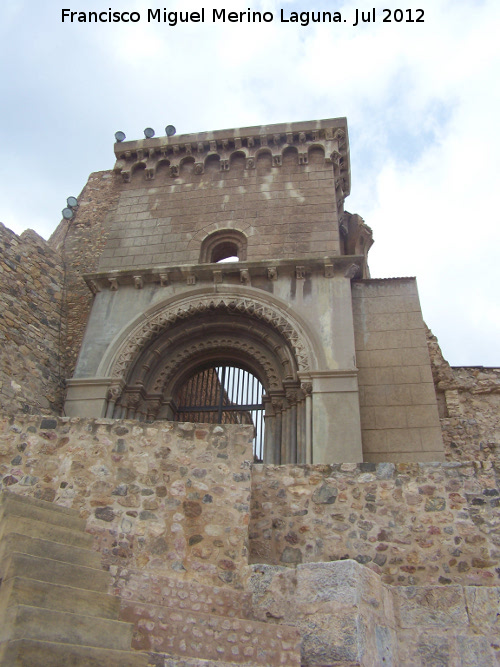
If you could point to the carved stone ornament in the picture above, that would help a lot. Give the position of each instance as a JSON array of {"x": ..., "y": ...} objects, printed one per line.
[
  {"x": 170, "y": 369},
  {"x": 174, "y": 170},
  {"x": 272, "y": 273},
  {"x": 352, "y": 271},
  {"x": 329, "y": 273},
  {"x": 94, "y": 287},
  {"x": 217, "y": 276},
  {"x": 114, "y": 392},
  {"x": 249, "y": 307},
  {"x": 113, "y": 284},
  {"x": 138, "y": 282},
  {"x": 198, "y": 168},
  {"x": 307, "y": 388},
  {"x": 191, "y": 279},
  {"x": 245, "y": 276},
  {"x": 164, "y": 279},
  {"x": 300, "y": 272}
]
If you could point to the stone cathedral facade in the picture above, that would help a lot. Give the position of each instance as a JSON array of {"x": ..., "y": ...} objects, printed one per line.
[
  {"x": 342, "y": 358},
  {"x": 222, "y": 442}
]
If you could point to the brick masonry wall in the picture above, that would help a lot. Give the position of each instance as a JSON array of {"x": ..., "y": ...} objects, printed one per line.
[
  {"x": 399, "y": 416},
  {"x": 288, "y": 211},
  {"x": 31, "y": 324},
  {"x": 80, "y": 242},
  {"x": 414, "y": 524},
  {"x": 169, "y": 498}
]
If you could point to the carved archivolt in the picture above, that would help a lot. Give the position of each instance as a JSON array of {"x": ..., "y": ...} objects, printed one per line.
[
  {"x": 247, "y": 306},
  {"x": 174, "y": 364}
]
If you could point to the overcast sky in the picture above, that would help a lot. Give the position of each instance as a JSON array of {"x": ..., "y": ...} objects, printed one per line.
[{"x": 422, "y": 101}]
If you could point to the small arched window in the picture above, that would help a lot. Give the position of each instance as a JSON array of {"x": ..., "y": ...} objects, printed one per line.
[{"x": 223, "y": 244}]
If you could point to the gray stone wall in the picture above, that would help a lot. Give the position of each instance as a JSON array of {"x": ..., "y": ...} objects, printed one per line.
[{"x": 399, "y": 416}]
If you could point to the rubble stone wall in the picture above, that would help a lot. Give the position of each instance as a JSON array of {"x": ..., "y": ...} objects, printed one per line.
[
  {"x": 469, "y": 407},
  {"x": 31, "y": 324},
  {"x": 80, "y": 242},
  {"x": 414, "y": 524},
  {"x": 170, "y": 498}
]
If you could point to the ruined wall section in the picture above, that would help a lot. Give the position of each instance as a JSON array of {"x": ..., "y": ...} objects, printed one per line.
[
  {"x": 399, "y": 416},
  {"x": 80, "y": 242},
  {"x": 31, "y": 324},
  {"x": 469, "y": 407}
]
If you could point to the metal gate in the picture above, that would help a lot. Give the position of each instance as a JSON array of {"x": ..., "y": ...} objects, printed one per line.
[{"x": 224, "y": 395}]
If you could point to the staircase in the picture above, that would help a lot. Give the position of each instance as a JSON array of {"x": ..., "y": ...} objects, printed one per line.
[
  {"x": 204, "y": 625},
  {"x": 54, "y": 605},
  {"x": 55, "y": 608}
]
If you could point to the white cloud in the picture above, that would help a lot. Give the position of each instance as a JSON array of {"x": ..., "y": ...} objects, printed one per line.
[{"x": 421, "y": 102}]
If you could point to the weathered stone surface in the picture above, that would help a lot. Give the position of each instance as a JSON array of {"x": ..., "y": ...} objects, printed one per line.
[
  {"x": 417, "y": 524},
  {"x": 141, "y": 514},
  {"x": 31, "y": 324}
]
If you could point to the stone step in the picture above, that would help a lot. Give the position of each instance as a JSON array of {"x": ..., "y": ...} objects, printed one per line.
[
  {"x": 35, "y": 653},
  {"x": 36, "y": 546},
  {"x": 9, "y": 497},
  {"x": 181, "y": 594},
  {"x": 165, "y": 660},
  {"x": 46, "y": 512},
  {"x": 21, "y": 590},
  {"x": 54, "y": 571},
  {"x": 190, "y": 634},
  {"x": 34, "y": 528},
  {"x": 26, "y": 622}
]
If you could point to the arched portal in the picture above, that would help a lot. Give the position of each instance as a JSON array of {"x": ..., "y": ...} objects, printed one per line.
[
  {"x": 221, "y": 393},
  {"x": 157, "y": 360}
]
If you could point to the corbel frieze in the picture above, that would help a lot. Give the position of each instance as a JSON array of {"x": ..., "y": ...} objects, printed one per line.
[{"x": 332, "y": 140}]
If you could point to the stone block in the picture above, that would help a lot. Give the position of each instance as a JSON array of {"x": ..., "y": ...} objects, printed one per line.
[
  {"x": 36, "y": 653},
  {"x": 430, "y": 606},
  {"x": 483, "y": 606}
]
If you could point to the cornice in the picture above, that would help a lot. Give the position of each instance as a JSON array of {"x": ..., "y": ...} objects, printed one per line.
[
  {"x": 331, "y": 135},
  {"x": 348, "y": 266}
]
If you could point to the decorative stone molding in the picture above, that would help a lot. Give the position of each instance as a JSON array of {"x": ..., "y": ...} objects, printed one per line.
[
  {"x": 172, "y": 366},
  {"x": 249, "y": 307},
  {"x": 204, "y": 272},
  {"x": 330, "y": 135},
  {"x": 138, "y": 282}
]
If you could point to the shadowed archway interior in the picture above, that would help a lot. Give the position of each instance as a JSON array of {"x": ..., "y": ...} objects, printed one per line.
[{"x": 157, "y": 382}]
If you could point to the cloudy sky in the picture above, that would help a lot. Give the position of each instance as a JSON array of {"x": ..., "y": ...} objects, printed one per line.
[{"x": 422, "y": 101}]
